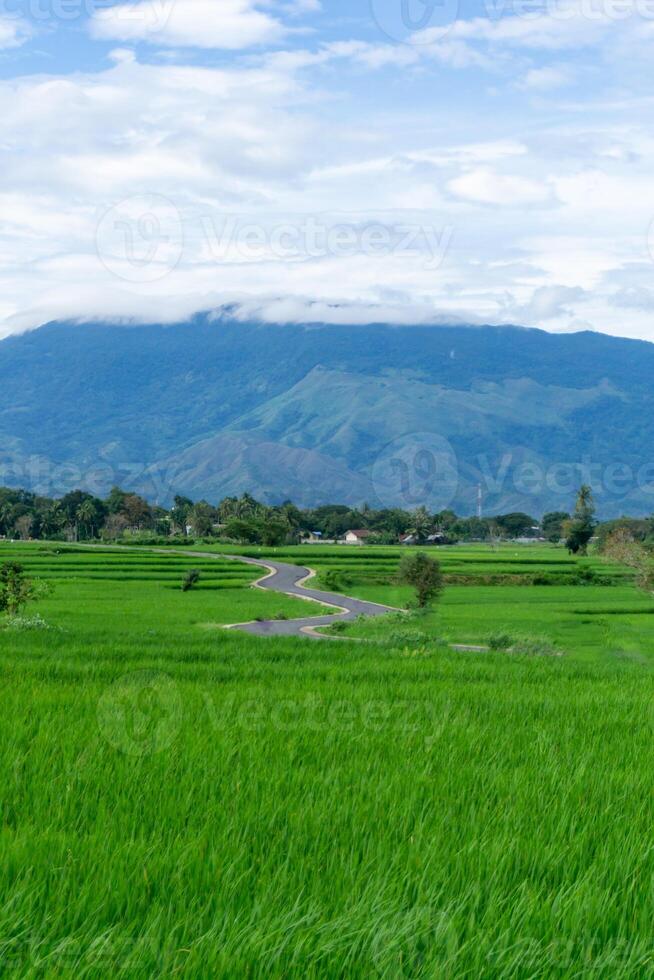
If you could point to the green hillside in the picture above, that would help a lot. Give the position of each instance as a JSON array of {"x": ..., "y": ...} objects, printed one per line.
[{"x": 321, "y": 414}]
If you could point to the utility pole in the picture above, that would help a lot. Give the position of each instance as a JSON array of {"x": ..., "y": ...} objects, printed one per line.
[{"x": 480, "y": 502}]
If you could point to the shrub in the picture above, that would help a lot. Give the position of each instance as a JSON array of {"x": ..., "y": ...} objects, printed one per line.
[
  {"x": 190, "y": 580},
  {"x": 536, "y": 646},
  {"x": 145, "y": 539},
  {"x": 16, "y": 590},
  {"x": 585, "y": 575},
  {"x": 335, "y": 581},
  {"x": 530, "y": 646},
  {"x": 500, "y": 641}
]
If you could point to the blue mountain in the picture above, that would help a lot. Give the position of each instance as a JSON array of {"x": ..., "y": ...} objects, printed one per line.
[{"x": 379, "y": 414}]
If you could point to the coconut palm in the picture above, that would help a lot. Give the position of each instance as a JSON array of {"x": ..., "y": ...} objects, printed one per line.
[
  {"x": 86, "y": 517},
  {"x": 422, "y": 524}
]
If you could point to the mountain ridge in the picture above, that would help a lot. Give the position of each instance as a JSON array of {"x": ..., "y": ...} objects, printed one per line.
[{"x": 214, "y": 408}]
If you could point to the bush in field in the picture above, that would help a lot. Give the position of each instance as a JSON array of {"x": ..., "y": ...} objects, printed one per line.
[
  {"x": 424, "y": 575},
  {"x": 535, "y": 646},
  {"x": 500, "y": 641},
  {"x": 190, "y": 580},
  {"x": 529, "y": 646},
  {"x": 585, "y": 575},
  {"x": 146, "y": 540},
  {"x": 336, "y": 581},
  {"x": 16, "y": 590}
]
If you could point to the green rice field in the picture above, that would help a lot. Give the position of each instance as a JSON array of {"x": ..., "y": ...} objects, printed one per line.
[
  {"x": 519, "y": 590},
  {"x": 178, "y": 800}
]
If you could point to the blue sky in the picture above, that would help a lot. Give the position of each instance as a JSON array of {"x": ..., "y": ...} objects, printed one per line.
[{"x": 400, "y": 160}]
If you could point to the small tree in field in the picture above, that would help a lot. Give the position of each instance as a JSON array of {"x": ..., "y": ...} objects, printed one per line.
[
  {"x": 580, "y": 529},
  {"x": 424, "y": 575},
  {"x": 16, "y": 590},
  {"x": 190, "y": 580}
]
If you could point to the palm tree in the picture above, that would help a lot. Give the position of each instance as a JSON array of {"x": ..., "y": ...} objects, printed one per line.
[
  {"x": 86, "y": 517},
  {"x": 247, "y": 506},
  {"x": 579, "y": 531},
  {"x": 228, "y": 509},
  {"x": 422, "y": 524},
  {"x": 54, "y": 520},
  {"x": 6, "y": 517},
  {"x": 585, "y": 506}
]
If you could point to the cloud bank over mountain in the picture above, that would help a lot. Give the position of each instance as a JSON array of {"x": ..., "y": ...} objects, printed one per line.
[{"x": 491, "y": 164}]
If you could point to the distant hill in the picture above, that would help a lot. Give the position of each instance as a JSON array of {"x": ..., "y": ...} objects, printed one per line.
[{"x": 384, "y": 415}]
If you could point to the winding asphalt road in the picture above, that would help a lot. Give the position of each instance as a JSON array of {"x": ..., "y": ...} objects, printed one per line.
[{"x": 289, "y": 580}]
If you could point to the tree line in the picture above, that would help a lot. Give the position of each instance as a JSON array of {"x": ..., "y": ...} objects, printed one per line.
[{"x": 81, "y": 516}]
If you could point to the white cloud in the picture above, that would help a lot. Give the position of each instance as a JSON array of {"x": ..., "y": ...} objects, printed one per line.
[
  {"x": 544, "y": 79},
  {"x": 544, "y": 215},
  {"x": 13, "y": 32},
  {"x": 514, "y": 33},
  {"x": 486, "y": 186},
  {"x": 634, "y": 298},
  {"x": 558, "y": 26},
  {"x": 547, "y": 303},
  {"x": 221, "y": 24}
]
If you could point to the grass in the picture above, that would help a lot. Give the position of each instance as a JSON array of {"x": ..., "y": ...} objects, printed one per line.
[{"x": 184, "y": 802}]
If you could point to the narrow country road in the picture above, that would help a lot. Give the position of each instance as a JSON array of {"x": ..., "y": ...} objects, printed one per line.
[{"x": 288, "y": 579}]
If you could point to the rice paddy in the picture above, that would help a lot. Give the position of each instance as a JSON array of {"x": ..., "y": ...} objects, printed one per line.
[
  {"x": 181, "y": 801},
  {"x": 585, "y": 607}
]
